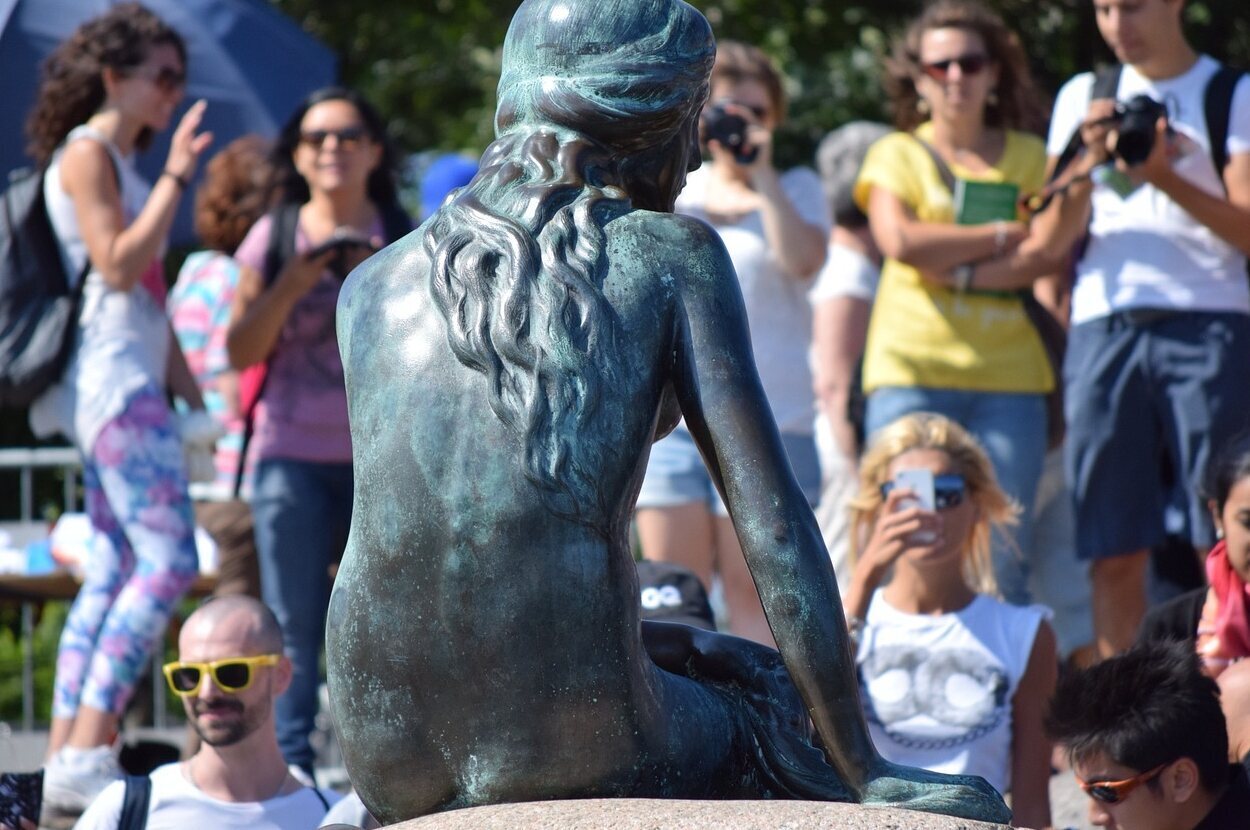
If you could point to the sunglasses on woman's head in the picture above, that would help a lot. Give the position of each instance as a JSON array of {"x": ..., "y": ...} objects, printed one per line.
[
  {"x": 231, "y": 675},
  {"x": 948, "y": 490},
  {"x": 1113, "y": 792},
  {"x": 348, "y": 138},
  {"x": 968, "y": 65}
]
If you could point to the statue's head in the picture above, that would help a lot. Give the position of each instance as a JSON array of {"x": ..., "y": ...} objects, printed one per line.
[{"x": 630, "y": 75}]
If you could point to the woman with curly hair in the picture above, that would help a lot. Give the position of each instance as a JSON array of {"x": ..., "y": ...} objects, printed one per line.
[
  {"x": 508, "y": 368},
  {"x": 949, "y": 331},
  {"x": 953, "y": 680},
  {"x": 231, "y": 199},
  {"x": 106, "y": 90},
  {"x": 333, "y": 182}
]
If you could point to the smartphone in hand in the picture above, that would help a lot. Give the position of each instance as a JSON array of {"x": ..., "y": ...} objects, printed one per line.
[
  {"x": 21, "y": 797},
  {"x": 348, "y": 249},
  {"x": 341, "y": 244},
  {"x": 920, "y": 483}
]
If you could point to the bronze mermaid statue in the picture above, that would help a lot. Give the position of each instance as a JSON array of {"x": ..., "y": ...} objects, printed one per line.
[{"x": 508, "y": 366}]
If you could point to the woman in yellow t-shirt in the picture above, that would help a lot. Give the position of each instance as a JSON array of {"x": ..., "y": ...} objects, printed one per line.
[{"x": 949, "y": 333}]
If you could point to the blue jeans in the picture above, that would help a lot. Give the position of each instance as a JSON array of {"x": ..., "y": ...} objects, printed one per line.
[
  {"x": 301, "y": 511},
  {"x": 1012, "y": 429}
]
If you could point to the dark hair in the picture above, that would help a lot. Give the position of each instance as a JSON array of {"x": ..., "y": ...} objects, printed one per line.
[
  {"x": 71, "y": 88},
  {"x": 1148, "y": 706},
  {"x": 1230, "y": 466},
  {"x": 737, "y": 62},
  {"x": 595, "y": 100},
  {"x": 289, "y": 186},
  {"x": 1018, "y": 106},
  {"x": 232, "y": 196}
]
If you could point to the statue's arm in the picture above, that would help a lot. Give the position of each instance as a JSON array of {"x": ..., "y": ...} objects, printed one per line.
[{"x": 725, "y": 408}]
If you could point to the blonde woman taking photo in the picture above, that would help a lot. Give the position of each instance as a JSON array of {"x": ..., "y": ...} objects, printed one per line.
[{"x": 953, "y": 680}]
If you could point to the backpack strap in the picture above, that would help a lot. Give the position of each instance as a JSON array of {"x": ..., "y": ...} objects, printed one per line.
[
  {"x": 135, "y": 803},
  {"x": 943, "y": 169},
  {"x": 281, "y": 247},
  {"x": 396, "y": 224},
  {"x": 321, "y": 797},
  {"x": 1218, "y": 105}
]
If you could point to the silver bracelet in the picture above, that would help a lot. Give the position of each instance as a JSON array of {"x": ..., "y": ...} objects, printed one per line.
[
  {"x": 963, "y": 276},
  {"x": 855, "y": 628},
  {"x": 1000, "y": 237}
]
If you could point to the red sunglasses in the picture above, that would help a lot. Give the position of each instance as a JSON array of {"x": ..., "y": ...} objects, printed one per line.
[
  {"x": 1113, "y": 792},
  {"x": 968, "y": 65}
]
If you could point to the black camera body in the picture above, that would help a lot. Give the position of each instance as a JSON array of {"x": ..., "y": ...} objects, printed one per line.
[
  {"x": 1135, "y": 127},
  {"x": 730, "y": 130}
]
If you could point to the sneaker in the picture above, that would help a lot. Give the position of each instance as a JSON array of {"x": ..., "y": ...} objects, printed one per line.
[{"x": 74, "y": 777}]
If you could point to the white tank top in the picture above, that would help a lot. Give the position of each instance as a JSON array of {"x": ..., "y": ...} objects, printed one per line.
[
  {"x": 122, "y": 341},
  {"x": 937, "y": 690}
]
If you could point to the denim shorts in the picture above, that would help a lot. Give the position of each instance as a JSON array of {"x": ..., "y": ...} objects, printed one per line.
[
  {"x": 1150, "y": 398},
  {"x": 676, "y": 473}
]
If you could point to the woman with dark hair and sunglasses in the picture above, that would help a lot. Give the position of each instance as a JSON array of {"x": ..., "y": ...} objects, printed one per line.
[
  {"x": 334, "y": 187},
  {"x": 949, "y": 331},
  {"x": 952, "y": 679},
  {"x": 105, "y": 92}
]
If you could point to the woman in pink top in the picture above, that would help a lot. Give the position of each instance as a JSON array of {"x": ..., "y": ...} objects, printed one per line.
[{"x": 334, "y": 180}]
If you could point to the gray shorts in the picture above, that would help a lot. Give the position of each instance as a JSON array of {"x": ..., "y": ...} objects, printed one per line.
[{"x": 1145, "y": 393}]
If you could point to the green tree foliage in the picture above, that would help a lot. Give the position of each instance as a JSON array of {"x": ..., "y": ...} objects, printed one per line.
[{"x": 432, "y": 65}]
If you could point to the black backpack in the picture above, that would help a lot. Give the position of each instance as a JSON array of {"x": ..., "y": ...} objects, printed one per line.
[{"x": 38, "y": 312}]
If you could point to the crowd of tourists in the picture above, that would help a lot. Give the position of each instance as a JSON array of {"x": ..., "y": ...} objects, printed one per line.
[{"x": 1009, "y": 367}]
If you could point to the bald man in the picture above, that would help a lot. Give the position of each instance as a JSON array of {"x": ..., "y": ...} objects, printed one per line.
[{"x": 231, "y": 668}]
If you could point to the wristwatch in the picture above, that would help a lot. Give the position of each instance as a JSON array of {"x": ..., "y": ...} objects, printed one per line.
[{"x": 963, "y": 276}]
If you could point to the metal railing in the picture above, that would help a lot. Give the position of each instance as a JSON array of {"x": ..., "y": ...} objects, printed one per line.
[{"x": 25, "y": 461}]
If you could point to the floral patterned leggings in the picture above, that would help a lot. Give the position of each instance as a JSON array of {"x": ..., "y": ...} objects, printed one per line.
[{"x": 142, "y": 561}]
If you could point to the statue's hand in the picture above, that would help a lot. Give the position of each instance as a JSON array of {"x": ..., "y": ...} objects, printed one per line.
[{"x": 908, "y": 788}]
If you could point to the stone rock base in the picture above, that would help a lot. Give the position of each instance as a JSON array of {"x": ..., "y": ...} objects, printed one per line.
[{"x": 658, "y": 814}]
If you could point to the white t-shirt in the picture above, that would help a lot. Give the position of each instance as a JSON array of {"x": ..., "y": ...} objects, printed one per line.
[
  {"x": 938, "y": 690},
  {"x": 122, "y": 341},
  {"x": 177, "y": 804},
  {"x": 847, "y": 273},
  {"x": 776, "y": 303},
  {"x": 1145, "y": 251}
]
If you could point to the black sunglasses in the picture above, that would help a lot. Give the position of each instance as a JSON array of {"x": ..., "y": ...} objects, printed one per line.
[
  {"x": 948, "y": 490},
  {"x": 349, "y": 138},
  {"x": 166, "y": 79},
  {"x": 968, "y": 65}
]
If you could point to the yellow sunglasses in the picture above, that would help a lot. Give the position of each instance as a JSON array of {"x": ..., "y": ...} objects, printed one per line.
[{"x": 233, "y": 674}]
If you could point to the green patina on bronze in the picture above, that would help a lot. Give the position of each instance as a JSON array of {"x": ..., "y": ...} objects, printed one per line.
[{"x": 508, "y": 366}]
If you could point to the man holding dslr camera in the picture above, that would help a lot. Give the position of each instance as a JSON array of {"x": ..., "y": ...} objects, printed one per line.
[{"x": 1158, "y": 366}]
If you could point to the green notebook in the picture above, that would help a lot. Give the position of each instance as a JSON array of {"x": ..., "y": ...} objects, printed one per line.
[{"x": 977, "y": 203}]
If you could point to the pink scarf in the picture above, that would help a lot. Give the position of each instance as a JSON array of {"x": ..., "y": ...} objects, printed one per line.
[{"x": 1224, "y": 628}]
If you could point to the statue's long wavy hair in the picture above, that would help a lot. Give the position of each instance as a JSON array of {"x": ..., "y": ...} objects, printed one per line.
[{"x": 594, "y": 100}]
